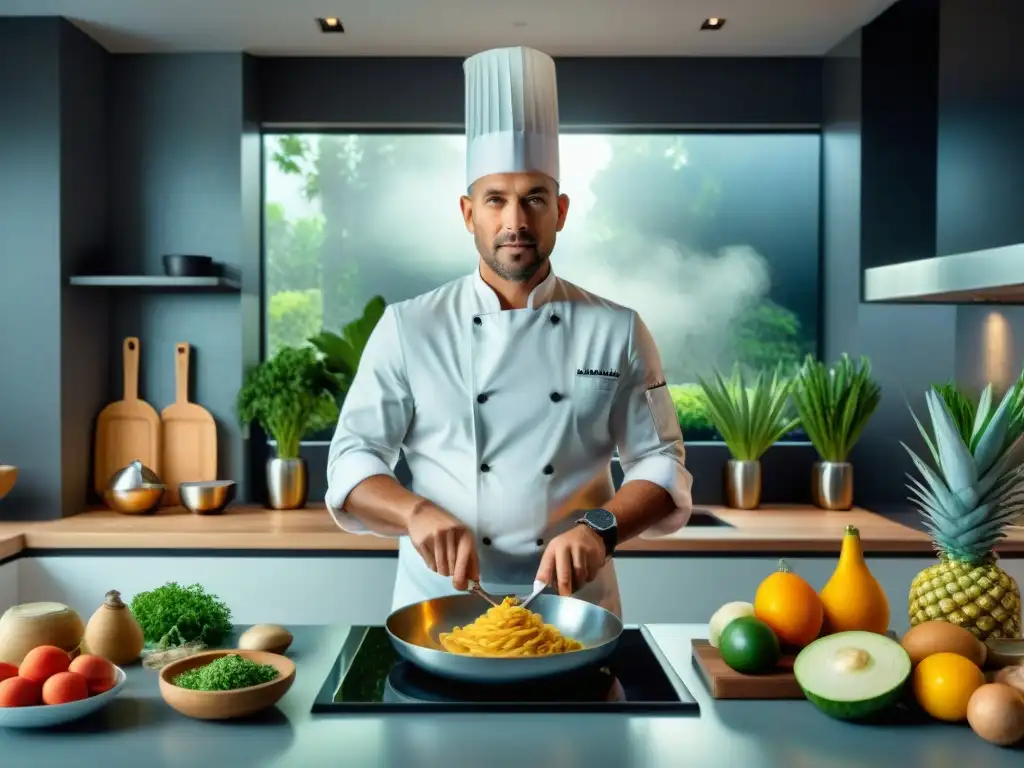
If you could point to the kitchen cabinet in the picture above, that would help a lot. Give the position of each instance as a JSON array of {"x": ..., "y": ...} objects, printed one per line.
[{"x": 357, "y": 590}]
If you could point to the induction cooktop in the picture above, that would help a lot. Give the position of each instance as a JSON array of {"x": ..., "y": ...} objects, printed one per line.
[{"x": 369, "y": 676}]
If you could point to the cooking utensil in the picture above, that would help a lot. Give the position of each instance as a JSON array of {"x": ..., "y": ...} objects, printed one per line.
[
  {"x": 185, "y": 265},
  {"x": 476, "y": 589},
  {"x": 134, "y": 490},
  {"x": 128, "y": 429},
  {"x": 226, "y": 705},
  {"x": 189, "y": 434},
  {"x": 208, "y": 498},
  {"x": 538, "y": 587},
  {"x": 414, "y": 630},
  {"x": 49, "y": 715},
  {"x": 8, "y": 476}
]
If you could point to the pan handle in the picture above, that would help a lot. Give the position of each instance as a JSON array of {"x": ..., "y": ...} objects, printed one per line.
[
  {"x": 181, "y": 355},
  {"x": 131, "y": 368}
]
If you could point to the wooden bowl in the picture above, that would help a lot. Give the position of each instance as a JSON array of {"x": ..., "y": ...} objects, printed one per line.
[
  {"x": 225, "y": 705},
  {"x": 23, "y": 627}
]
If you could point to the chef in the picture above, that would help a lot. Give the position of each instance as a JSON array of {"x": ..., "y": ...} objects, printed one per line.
[{"x": 509, "y": 390}]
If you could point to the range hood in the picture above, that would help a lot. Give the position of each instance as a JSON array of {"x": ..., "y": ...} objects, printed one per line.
[{"x": 992, "y": 276}]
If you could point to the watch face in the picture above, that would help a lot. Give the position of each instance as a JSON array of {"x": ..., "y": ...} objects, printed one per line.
[{"x": 602, "y": 518}]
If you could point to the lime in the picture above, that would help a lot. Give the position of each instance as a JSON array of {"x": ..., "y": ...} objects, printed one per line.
[{"x": 749, "y": 645}]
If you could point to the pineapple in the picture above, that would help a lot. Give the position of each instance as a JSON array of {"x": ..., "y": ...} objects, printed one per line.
[{"x": 974, "y": 492}]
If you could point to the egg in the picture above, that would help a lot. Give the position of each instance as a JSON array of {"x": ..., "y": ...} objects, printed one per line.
[
  {"x": 996, "y": 713},
  {"x": 942, "y": 637},
  {"x": 265, "y": 637},
  {"x": 1011, "y": 676}
]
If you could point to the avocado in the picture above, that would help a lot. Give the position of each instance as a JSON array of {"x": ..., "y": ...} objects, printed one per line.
[
  {"x": 852, "y": 675},
  {"x": 748, "y": 645}
]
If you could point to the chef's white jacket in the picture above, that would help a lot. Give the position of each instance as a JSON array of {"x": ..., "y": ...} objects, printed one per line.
[{"x": 509, "y": 420}]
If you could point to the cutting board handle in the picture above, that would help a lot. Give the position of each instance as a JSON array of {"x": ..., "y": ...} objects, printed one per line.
[
  {"x": 181, "y": 355},
  {"x": 131, "y": 368}
]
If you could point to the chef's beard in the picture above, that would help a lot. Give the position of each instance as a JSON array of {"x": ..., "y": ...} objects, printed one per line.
[{"x": 515, "y": 267}]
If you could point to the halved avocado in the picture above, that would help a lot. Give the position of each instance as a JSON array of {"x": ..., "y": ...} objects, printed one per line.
[{"x": 851, "y": 675}]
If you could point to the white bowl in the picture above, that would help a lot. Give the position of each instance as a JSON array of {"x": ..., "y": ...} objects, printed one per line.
[{"x": 47, "y": 715}]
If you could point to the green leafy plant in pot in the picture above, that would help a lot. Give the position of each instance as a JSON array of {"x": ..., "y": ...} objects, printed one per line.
[
  {"x": 750, "y": 421},
  {"x": 834, "y": 404},
  {"x": 342, "y": 352},
  {"x": 291, "y": 395}
]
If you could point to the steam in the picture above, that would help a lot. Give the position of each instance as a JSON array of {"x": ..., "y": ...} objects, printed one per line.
[{"x": 691, "y": 301}]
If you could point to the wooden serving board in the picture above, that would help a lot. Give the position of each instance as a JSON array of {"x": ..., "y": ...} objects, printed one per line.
[
  {"x": 189, "y": 435},
  {"x": 127, "y": 430},
  {"x": 723, "y": 682}
]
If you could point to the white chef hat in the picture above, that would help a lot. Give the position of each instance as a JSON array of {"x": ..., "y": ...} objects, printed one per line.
[{"x": 511, "y": 113}]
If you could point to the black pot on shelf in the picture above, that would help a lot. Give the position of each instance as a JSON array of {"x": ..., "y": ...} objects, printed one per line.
[{"x": 185, "y": 265}]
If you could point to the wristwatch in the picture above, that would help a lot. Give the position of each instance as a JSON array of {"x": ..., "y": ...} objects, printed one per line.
[{"x": 603, "y": 523}]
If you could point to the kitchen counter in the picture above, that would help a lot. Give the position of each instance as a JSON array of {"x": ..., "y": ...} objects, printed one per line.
[
  {"x": 137, "y": 728},
  {"x": 771, "y": 529}
]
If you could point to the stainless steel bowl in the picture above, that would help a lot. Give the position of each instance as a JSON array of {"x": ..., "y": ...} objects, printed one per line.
[
  {"x": 414, "y": 632},
  {"x": 134, "y": 490},
  {"x": 207, "y": 498}
]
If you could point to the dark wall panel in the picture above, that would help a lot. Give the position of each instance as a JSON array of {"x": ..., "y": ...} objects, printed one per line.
[
  {"x": 83, "y": 230},
  {"x": 910, "y": 347},
  {"x": 179, "y": 161},
  {"x": 30, "y": 262},
  {"x": 591, "y": 91},
  {"x": 981, "y": 152}
]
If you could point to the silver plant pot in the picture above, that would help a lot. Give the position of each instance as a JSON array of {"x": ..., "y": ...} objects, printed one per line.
[
  {"x": 743, "y": 484},
  {"x": 832, "y": 484},
  {"x": 287, "y": 483}
]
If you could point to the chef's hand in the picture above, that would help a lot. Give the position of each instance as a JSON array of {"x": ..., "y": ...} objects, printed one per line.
[
  {"x": 572, "y": 559},
  {"x": 444, "y": 543}
]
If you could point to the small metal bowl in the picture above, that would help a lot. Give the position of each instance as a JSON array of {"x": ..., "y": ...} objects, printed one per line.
[
  {"x": 135, "y": 501},
  {"x": 1005, "y": 652},
  {"x": 208, "y": 498}
]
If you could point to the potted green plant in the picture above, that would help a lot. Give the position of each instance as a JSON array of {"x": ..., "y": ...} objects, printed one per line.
[
  {"x": 291, "y": 395},
  {"x": 834, "y": 404},
  {"x": 341, "y": 352},
  {"x": 750, "y": 421}
]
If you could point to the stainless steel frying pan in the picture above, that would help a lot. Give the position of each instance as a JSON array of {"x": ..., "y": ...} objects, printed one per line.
[{"x": 414, "y": 632}]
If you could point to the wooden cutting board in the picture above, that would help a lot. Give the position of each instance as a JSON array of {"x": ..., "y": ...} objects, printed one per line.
[
  {"x": 189, "y": 434},
  {"x": 723, "y": 682},
  {"x": 126, "y": 430}
]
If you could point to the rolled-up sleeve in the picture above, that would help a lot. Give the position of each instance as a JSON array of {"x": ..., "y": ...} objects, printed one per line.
[
  {"x": 374, "y": 420},
  {"x": 647, "y": 432}
]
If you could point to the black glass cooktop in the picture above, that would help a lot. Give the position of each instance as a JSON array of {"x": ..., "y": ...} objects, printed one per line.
[{"x": 369, "y": 676}]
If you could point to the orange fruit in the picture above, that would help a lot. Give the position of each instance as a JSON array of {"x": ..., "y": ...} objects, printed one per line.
[
  {"x": 790, "y": 606},
  {"x": 943, "y": 684}
]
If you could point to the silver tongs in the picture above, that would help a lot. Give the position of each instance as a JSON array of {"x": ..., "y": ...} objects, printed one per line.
[{"x": 538, "y": 587}]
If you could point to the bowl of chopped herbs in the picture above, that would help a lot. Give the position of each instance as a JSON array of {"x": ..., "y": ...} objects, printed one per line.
[{"x": 226, "y": 684}]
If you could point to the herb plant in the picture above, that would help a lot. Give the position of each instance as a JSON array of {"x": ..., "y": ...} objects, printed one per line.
[
  {"x": 291, "y": 395},
  {"x": 750, "y": 420},
  {"x": 228, "y": 673},
  {"x": 835, "y": 403},
  {"x": 172, "y": 615}
]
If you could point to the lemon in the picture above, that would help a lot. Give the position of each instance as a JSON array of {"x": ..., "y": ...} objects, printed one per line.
[{"x": 943, "y": 684}]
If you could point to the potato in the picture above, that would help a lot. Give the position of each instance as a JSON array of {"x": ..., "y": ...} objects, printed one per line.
[{"x": 942, "y": 637}]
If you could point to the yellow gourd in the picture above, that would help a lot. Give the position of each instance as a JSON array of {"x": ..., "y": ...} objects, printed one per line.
[{"x": 853, "y": 599}]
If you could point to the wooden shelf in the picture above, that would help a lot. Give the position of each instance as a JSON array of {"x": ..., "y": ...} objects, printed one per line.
[{"x": 159, "y": 283}]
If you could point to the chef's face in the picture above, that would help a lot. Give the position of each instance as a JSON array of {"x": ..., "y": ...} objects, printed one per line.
[{"x": 514, "y": 218}]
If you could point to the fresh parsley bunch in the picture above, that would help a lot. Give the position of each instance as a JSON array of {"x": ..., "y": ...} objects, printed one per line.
[
  {"x": 291, "y": 395},
  {"x": 174, "y": 615}
]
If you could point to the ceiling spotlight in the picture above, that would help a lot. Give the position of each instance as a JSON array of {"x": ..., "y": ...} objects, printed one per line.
[
  {"x": 713, "y": 23},
  {"x": 331, "y": 24}
]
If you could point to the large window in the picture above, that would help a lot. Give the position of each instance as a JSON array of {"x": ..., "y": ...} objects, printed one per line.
[{"x": 713, "y": 238}]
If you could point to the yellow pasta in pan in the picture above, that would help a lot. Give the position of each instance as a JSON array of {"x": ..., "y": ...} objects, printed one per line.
[{"x": 508, "y": 630}]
